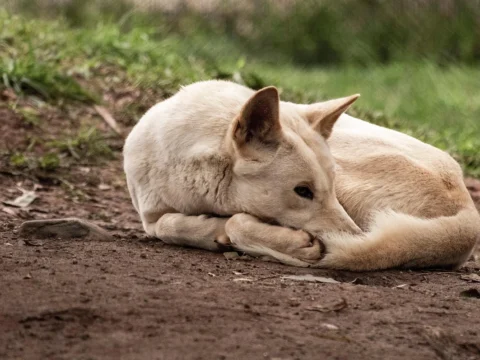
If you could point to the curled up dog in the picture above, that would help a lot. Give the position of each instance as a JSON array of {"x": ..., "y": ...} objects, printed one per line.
[{"x": 218, "y": 165}]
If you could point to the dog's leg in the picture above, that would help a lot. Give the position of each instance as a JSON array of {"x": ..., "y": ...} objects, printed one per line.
[
  {"x": 201, "y": 231},
  {"x": 293, "y": 247}
]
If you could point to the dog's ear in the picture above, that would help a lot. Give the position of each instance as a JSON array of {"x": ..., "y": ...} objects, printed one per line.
[
  {"x": 322, "y": 116},
  {"x": 259, "y": 119}
]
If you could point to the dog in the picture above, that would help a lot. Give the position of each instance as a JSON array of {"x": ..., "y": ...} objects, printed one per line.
[{"x": 219, "y": 164}]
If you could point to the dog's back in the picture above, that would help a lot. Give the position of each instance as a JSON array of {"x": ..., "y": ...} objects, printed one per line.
[{"x": 389, "y": 169}]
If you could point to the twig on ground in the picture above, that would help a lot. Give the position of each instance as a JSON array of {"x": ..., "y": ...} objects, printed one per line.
[{"x": 108, "y": 118}]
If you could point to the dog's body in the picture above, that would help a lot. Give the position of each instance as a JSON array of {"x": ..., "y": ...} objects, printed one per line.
[
  {"x": 203, "y": 168},
  {"x": 422, "y": 213}
]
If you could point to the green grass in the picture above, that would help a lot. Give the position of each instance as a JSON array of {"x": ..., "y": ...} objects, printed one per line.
[
  {"x": 88, "y": 143},
  {"x": 50, "y": 61}
]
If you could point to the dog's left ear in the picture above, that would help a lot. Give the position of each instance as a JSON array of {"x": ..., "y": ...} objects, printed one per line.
[
  {"x": 322, "y": 116},
  {"x": 259, "y": 119}
]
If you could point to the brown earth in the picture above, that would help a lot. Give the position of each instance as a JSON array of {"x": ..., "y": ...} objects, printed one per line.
[{"x": 136, "y": 298}]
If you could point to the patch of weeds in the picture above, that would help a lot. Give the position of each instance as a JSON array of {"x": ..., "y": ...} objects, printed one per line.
[
  {"x": 27, "y": 75},
  {"x": 88, "y": 144},
  {"x": 29, "y": 115},
  {"x": 49, "y": 162},
  {"x": 32, "y": 54},
  {"x": 19, "y": 160}
]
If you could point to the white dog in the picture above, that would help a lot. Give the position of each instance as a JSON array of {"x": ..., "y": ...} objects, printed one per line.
[{"x": 219, "y": 164}]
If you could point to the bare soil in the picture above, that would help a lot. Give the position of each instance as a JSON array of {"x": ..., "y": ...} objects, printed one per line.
[{"x": 136, "y": 298}]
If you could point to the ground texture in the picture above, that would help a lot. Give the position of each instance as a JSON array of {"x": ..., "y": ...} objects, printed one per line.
[{"x": 136, "y": 298}]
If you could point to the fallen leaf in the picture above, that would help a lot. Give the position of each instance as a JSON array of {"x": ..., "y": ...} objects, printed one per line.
[
  {"x": 329, "y": 326},
  {"x": 23, "y": 200},
  {"x": 471, "y": 277},
  {"x": 335, "y": 306},
  {"x": 108, "y": 118},
  {"x": 211, "y": 274},
  {"x": 310, "y": 278},
  {"x": 243, "y": 280}
]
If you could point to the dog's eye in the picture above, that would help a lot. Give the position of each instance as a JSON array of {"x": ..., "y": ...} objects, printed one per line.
[{"x": 304, "y": 192}]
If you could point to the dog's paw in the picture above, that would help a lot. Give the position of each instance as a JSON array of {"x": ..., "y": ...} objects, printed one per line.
[
  {"x": 305, "y": 247},
  {"x": 223, "y": 240}
]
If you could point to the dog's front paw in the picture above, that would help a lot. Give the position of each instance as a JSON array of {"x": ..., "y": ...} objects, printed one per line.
[
  {"x": 223, "y": 240},
  {"x": 305, "y": 247}
]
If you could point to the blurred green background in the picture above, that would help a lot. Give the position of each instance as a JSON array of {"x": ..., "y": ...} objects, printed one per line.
[{"x": 416, "y": 62}]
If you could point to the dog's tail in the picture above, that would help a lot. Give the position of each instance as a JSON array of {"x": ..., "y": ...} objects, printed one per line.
[{"x": 399, "y": 240}]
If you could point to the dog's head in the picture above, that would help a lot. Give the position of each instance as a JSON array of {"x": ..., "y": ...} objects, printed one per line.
[{"x": 283, "y": 168}]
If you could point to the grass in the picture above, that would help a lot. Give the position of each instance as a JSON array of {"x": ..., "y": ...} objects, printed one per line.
[
  {"x": 54, "y": 63},
  {"x": 88, "y": 143}
]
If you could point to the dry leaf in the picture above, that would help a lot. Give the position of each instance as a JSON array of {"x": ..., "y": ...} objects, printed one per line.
[
  {"x": 23, "y": 200},
  {"x": 310, "y": 278},
  {"x": 108, "y": 118},
  {"x": 243, "y": 280},
  {"x": 329, "y": 326}
]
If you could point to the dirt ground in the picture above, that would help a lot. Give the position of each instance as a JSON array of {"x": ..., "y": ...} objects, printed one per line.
[{"x": 136, "y": 298}]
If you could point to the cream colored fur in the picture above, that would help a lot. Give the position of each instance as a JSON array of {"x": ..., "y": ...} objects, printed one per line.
[
  {"x": 408, "y": 197},
  {"x": 217, "y": 164}
]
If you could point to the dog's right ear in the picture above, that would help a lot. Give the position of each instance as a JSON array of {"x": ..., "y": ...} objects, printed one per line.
[
  {"x": 259, "y": 121},
  {"x": 323, "y": 116}
]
